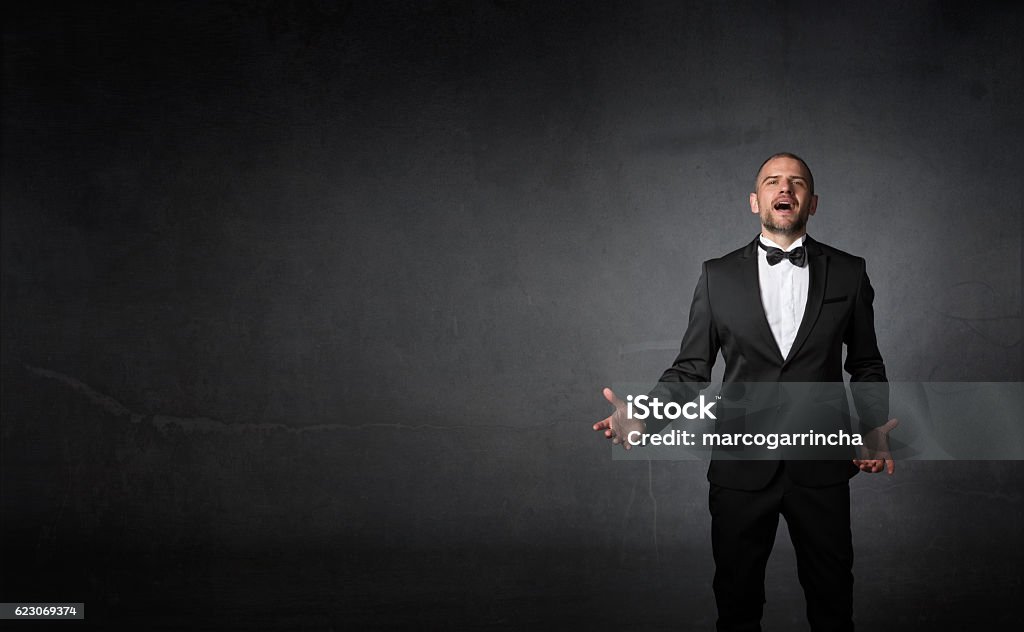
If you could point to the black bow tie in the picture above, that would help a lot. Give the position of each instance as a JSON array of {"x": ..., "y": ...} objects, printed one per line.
[{"x": 796, "y": 256}]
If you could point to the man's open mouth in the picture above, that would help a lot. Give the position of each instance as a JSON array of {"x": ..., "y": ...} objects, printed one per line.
[{"x": 783, "y": 206}]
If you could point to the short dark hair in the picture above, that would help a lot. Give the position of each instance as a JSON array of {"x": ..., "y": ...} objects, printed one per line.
[{"x": 786, "y": 154}]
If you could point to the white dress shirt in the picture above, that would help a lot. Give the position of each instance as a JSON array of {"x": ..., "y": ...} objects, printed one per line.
[{"x": 783, "y": 293}]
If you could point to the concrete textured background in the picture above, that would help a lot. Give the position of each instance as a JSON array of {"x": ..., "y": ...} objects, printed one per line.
[{"x": 307, "y": 305}]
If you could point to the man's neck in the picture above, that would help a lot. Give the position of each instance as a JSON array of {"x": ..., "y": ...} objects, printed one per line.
[{"x": 784, "y": 241}]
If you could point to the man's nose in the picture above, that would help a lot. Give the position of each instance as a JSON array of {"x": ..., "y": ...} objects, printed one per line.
[{"x": 785, "y": 186}]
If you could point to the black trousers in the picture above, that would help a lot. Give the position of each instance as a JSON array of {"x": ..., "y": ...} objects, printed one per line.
[{"x": 743, "y": 525}]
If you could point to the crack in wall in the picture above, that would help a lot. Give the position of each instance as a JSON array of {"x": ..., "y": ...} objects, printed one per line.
[
  {"x": 205, "y": 424},
  {"x": 651, "y": 345}
]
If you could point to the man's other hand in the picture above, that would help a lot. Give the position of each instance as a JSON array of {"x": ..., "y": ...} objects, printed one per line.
[
  {"x": 619, "y": 424},
  {"x": 876, "y": 450}
]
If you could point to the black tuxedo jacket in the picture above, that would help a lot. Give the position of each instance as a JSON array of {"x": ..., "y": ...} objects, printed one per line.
[{"x": 727, "y": 315}]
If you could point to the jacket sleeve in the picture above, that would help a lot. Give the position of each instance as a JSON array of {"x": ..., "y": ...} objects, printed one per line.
[
  {"x": 691, "y": 370},
  {"x": 868, "y": 381}
]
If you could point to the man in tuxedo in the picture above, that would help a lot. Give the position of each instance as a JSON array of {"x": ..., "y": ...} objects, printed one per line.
[{"x": 780, "y": 310}]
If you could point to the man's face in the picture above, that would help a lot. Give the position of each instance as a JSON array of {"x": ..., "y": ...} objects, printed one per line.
[{"x": 783, "y": 198}]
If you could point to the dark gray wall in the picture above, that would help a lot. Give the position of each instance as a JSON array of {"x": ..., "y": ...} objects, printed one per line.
[{"x": 307, "y": 306}]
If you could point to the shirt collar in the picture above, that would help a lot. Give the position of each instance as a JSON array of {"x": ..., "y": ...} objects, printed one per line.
[{"x": 768, "y": 242}]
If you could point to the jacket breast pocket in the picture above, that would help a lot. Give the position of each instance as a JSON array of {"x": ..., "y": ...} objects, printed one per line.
[{"x": 836, "y": 309}]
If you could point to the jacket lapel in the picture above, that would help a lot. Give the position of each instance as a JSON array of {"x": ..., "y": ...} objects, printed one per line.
[
  {"x": 818, "y": 264},
  {"x": 754, "y": 306}
]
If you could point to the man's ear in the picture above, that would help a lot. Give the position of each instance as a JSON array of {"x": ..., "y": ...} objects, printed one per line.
[
  {"x": 814, "y": 204},
  {"x": 753, "y": 204}
]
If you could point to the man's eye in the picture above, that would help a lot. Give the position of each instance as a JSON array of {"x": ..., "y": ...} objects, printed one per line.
[{"x": 772, "y": 181}]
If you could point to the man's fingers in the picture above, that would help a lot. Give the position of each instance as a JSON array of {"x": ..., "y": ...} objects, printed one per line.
[
  {"x": 614, "y": 425},
  {"x": 875, "y": 465},
  {"x": 609, "y": 394},
  {"x": 869, "y": 465},
  {"x": 889, "y": 425}
]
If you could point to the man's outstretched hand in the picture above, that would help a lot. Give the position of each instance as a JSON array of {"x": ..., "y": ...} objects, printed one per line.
[
  {"x": 876, "y": 450},
  {"x": 619, "y": 424}
]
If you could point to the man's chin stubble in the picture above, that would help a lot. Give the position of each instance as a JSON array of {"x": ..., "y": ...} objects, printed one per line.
[{"x": 792, "y": 229}]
